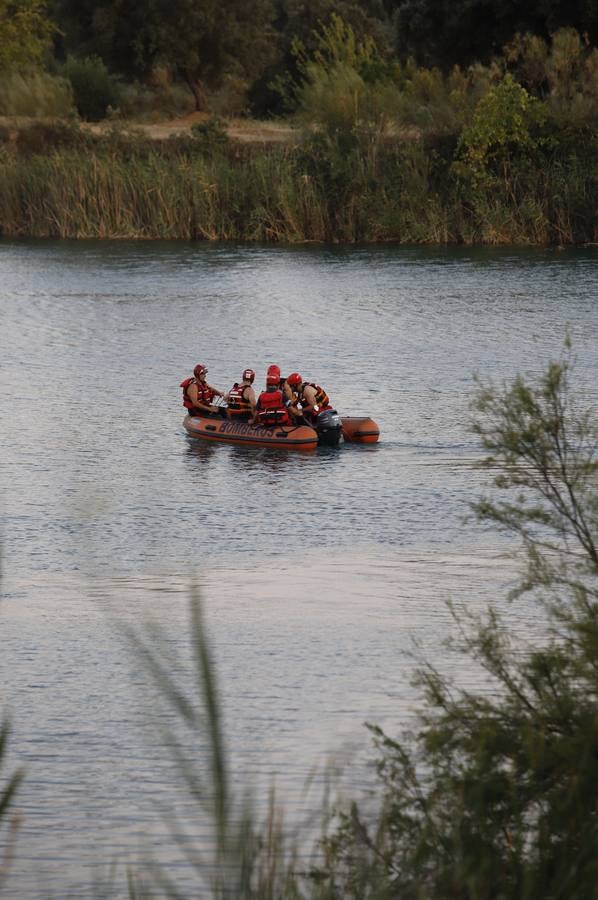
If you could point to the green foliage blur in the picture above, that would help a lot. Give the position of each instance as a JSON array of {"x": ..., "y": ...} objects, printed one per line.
[
  {"x": 25, "y": 33},
  {"x": 9, "y": 821}
]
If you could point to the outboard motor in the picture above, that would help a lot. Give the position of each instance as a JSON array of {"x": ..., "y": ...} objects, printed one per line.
[{"x": 328, "y": 427}]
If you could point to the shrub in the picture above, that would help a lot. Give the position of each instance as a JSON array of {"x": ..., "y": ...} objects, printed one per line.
[
  {"x": 502, "y": 125},
  {"x": 141, "y": 102},
  {"x": 211, "y": 135},
  {"x": 95, "y": 90},
  {"x": 230, "y": 99},
  {"x": 35, "y": 93},
  {"x": 44, "y": 137}
]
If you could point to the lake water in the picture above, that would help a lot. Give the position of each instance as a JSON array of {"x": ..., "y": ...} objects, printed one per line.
[{"x": 318, "y": 571}]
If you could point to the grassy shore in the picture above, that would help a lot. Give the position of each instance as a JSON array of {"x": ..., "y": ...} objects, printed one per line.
[{"x": 57, "y": 180}]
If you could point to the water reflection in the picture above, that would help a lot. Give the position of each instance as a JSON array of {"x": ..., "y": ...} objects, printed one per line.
[
  {"x": 202, "y": 450},
  {"x": 273, "y": 459},
  {"x": 250, "y": 460}
]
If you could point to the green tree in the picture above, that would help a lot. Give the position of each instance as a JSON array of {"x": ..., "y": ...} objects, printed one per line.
[
  {"x": 94, "y": 88},
  {"x": 25, "y": 33},
  {"x": 342, "y": 85},
  {"x": 298, "y": 26},
  {"x": 563, "y": 72},
  {"x": 502, "y": 126},
  {"x": 494, "y": 794}
]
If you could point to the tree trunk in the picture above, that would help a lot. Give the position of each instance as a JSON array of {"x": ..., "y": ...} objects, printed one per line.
[{"x": 198, "y": 90}]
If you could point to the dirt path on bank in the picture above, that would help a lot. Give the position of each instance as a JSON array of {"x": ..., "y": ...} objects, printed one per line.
[{"x": 247, "y": 131}]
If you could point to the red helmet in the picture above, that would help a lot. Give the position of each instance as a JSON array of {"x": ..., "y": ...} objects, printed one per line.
[
  {"x": 274, "y": 370},
  {"x": 248, "y": 375},
  {"x": 200, "y": 369},
  {"x": 272, "y": 380},
  {"x": 294, "y": 379}
]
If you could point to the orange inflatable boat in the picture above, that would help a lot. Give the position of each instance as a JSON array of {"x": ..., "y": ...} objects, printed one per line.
[
  {"x": 327, "y": 432},
  {"x": 291, "y": 437}
]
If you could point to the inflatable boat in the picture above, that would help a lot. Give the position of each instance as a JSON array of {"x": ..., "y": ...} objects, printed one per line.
[
  {"x": 327, "y": 431},
  {"x": 213, "y": 428}
]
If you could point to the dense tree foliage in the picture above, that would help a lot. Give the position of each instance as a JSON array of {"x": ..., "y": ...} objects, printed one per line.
[
  {"x": 298, "y": 27},
  {"x": 262, "y": 42},
  {"x": 25, "y": 32},
  {"x": 198, "y": 42},
  {"x": 448, "y": 32}
]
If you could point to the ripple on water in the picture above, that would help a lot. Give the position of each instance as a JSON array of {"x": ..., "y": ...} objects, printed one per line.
[{"x": 318, "y": 572}]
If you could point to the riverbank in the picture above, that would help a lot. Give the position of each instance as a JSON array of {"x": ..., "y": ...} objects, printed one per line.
[{"x": 207, "y": 181}]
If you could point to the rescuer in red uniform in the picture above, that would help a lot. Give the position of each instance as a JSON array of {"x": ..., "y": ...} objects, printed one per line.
[
  {"x": 287, "y": 392},
  {"x": 311, "y": 397},
  {"x": 241, "y": 398},
  {"x": 198, "y": 394},
  {"x": 270, "y": 408}
]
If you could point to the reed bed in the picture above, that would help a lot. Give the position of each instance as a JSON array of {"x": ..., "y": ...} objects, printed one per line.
[{"x": 403, "y": 192}]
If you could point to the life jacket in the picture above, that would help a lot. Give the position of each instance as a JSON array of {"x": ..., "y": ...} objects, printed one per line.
[
  {"x": 204, "y": 393},
  {"x": 271, "y": 409},
  {"x": 322, "y": 399},
  {"x": 237, "y": 403}
]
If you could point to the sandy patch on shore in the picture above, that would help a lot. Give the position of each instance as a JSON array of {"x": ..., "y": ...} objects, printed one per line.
[{"x": 244, "y": 130}]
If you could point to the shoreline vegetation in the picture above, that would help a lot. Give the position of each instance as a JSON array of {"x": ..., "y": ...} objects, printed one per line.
[
  {"x": 375, "y": 150},
  {"x": 58, "y": 180}
]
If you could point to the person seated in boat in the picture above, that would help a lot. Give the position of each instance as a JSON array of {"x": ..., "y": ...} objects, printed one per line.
[
  {"x": 274, "y": 372},
  {"x": 286, "y": 389},
  {"x": 241, "y": 398},
  {"x": 198, "y": 394},
  {"x": 270, "y": 407},
  {"x": 309, "y": 398}
]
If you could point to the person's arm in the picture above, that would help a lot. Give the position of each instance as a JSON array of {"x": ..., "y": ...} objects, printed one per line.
[
  {"x": 250, "y": 397},
  {"x": 194, "y": 397},
  {"x": 290, "y": 401},
  {"x": 216, "y": 391}
]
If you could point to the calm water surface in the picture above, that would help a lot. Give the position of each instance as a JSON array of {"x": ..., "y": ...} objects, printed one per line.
[{"x": 318, "y": 571}]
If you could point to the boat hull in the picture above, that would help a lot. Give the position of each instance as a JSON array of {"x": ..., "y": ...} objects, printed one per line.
[
  {"x": 289, "y": 437},
  {"x": 360, "y": 429}
]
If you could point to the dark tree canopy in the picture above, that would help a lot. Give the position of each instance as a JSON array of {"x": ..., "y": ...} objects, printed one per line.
[
  {"x": 448, "y": 32},
  {"x": 257, "y": 41},
  {"x": 200, "y": 42}
]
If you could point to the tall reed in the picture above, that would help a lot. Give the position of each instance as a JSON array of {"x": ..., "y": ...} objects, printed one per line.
[
  {"x": 9, "y": 821},
  {"x": 249, "y": 855},
  {"x": 346, "y": 188}
]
